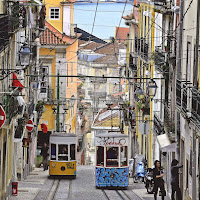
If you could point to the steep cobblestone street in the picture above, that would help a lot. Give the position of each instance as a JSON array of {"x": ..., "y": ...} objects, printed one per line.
[{"x": 37, "y": 186}]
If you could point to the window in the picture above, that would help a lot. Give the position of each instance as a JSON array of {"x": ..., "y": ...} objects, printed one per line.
[
  {"x": 72, "y": 152},
  {"x": 123, "y": 155},
  {"x": 112, "y": 155},
  {"x": 54, "y": 13},
  {"x": 53, "y": 151},
  {"x": 63, "y": 152},
  {"x": 100, "y": 156}
]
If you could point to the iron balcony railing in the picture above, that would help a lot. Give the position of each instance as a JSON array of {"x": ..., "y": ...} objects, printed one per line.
[
  {"x": 195, "y": 111},
  {"x": 4, "y": 36},
  {"x": 159, "y": 59},
  {"x": 178, "y": 92},
  {"x": 20, "y": 128},
  {"x": 169, "y": 121},
  {"x": 11, "y": 107},
  {"x": 184, "y": 98},
  {"x": 158, "y": 125}
]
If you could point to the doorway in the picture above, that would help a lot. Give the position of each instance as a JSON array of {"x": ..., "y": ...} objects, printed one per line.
[{"x": 182, "y": 161}]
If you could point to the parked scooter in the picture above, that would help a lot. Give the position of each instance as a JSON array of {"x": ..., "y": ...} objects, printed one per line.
[
  {"x": 139, "y": 173},
  {"x": 148, "y": 180}
]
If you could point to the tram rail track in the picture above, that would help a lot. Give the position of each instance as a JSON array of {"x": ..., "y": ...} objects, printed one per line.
[{"x": 120, "y": 193}]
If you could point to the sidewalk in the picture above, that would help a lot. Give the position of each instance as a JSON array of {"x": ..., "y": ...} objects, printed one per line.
[
  {"x": 29, "y": 188},
  {"x": 140, "y": 190}
]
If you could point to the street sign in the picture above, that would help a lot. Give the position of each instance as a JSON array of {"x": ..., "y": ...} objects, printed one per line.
[
  {"x": 30, "y": 125},
  {"x": 2, "y": 116},
  {"x": 144, "y": 128}
]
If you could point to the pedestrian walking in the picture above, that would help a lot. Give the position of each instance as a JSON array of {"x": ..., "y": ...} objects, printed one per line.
[
  {"x": 44, "y": 154},
  {"x": 158, "y": 180},
  {"x": 175, "y": 179}
]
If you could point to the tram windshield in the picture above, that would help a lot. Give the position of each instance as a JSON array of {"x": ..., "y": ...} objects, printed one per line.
[
  {"x": 123, "y": 156},
  {"x": 53, "y": 151},
  {"x": 72, "y": 152},
  {"x": 63, "y": 152},
  {"x": 100, "y": 156},
  {"x": 112, "y": 155}
]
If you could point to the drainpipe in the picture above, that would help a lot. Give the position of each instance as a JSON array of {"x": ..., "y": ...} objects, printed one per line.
[
  {"x": 178, "y": 73},
  {"x": 194, "y": 187}
]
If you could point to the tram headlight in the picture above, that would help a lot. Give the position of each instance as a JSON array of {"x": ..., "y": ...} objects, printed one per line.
[{"x": 53, "y": 165}]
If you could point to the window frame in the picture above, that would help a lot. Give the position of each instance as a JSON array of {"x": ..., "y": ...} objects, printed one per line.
[
  {"x": 118, "y": 155},
  {"x": 103, "y": 156},
  {"x": 53, "y": 8}
]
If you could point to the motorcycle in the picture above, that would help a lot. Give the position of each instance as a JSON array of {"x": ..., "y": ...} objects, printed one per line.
[
  {"x": 148, "y": 181},
  {"x": 139, "y": 173}
]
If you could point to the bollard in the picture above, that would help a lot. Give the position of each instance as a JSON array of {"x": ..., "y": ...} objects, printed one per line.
[{"x": 14, "y": 188}]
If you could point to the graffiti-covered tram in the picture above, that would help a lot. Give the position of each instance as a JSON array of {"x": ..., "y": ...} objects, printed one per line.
[
  {"x": 111, "y": 160},
  {"x": 62, "y": 154}
]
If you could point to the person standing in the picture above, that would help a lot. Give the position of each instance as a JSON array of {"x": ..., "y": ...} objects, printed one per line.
[
  {"x": 158, "y": 180},
  {"x": 175, "y": 179},
  {"x": 44, "y": 154}
]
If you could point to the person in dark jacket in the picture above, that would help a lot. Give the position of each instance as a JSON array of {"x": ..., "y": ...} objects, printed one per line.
[
  {"x": 44, "y": 154},
  {"x": 158, "y": 180},
  {"x": 175, "y": 179}
]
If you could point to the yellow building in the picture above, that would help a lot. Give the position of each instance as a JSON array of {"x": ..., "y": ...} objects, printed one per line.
[
  {"x": 58, "y": 53},
  {"x": 144, "y": 44}
]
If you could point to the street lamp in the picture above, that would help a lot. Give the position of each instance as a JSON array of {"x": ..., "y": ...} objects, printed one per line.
[
  {"x": 25, "y": 55},
  {"x": 151, "y": 89}
]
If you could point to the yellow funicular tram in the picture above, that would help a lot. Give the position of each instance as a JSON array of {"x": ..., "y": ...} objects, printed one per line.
[{"x": 62, "y": 154}]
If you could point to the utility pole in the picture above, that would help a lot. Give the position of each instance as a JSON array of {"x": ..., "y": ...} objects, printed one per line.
[{"x": 58, "y": 105}]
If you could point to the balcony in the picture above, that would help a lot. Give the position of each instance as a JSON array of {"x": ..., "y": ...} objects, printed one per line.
[
  {"x": 20, "y": 128},
  {"x": 97, "y": 94},
  {"x": 4, "y": 36},
  {"x": 31, "y": 108},
  {"x": 169, "y": 122},
  {"x": 159, "y": 2},
  {"x": 98, "y": 80},
  {"x": 159, "y": 60},
  {"x": 178, "y": 93},
  {"x": 184, "y": 98},
  {"x": 11, "y": 107},
  {"x": 158, "y": 126},
  {"x": 195, "y": 112},
  {"x": 132, "y": 64}
]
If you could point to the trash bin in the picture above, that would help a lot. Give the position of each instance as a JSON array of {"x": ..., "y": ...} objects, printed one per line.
[{"x": 14, "y": 188}]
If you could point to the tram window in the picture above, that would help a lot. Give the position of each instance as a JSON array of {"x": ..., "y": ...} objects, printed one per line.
[
  {"x": 63, "y": 152},
  {"x": 72, "y": 152},
  {"x": 53, "y": 151},
  {"x": 112, "y": 156},
  {"x": 123, "y": 155},
  {"x": 100, "y": 156}
]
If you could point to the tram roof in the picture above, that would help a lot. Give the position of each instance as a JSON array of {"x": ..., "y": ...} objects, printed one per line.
[
  {"x": 112, "y": 134},
  {"x": 62, "y": 134}
]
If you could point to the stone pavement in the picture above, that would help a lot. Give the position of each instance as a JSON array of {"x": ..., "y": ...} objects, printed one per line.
[
  {"x": 29, "y": 188},
  {"x": 140, "y": 190}
]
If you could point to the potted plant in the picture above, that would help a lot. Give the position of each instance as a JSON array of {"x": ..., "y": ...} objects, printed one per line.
[{"x": 143, "y": 104}]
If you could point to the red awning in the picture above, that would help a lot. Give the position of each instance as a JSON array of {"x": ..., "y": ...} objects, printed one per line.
[
  {"x": 16, "y": 82},
  {"x": 44, "y": 128}
]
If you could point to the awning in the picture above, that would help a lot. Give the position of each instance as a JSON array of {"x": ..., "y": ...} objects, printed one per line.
[{"x": 165, "y": 144}]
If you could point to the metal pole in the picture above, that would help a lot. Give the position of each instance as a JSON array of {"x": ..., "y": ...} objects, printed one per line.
[{"x": 58, "y": 105}]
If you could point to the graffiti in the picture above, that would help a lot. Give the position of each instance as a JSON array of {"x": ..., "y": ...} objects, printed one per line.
[
  {"x": 70, "y": 165},
  {"x": 112, "y": 177},
  {"x": 111, "y": 141}
]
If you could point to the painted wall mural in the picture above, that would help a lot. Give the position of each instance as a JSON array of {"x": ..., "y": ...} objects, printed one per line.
[{"x": 111, "y": 177}]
